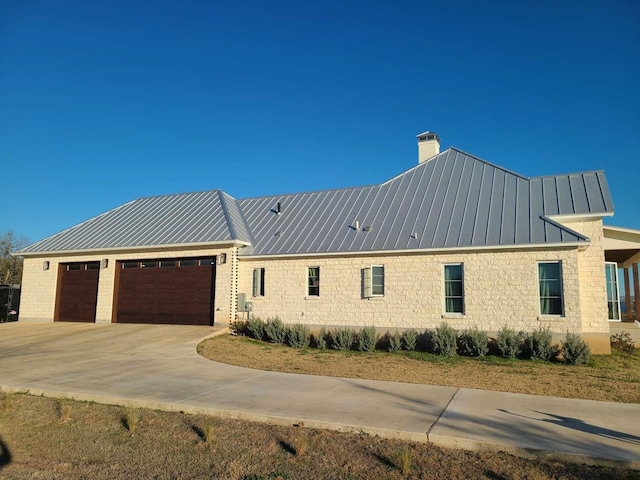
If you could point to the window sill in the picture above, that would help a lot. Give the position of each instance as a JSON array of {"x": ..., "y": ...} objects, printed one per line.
[
  {"x": 551, "y": 318},
  {"x": 312, "y": 297},
  {"x": 452, "y": 315}
]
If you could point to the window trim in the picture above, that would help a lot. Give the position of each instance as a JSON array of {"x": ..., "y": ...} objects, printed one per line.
[
  {"x": 561, "y": 280},
  {"x": 369, "y": 284},
  {"x": 309, "y": 277},
  {"x": 258, "y": 282},
  {"x": 445, "y": 312}
]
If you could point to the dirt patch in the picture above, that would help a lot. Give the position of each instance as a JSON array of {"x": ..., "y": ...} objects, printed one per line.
[
  {"x": 614, "y": 378},
  {"x": 93, "y": 441}
]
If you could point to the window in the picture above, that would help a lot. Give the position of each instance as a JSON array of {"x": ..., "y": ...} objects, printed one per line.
[
  {"x": 188, "y": 263},
  {"x": 168, "y": 263},
  {"x": 550, "y": 280},
  {"x": 374, "y": 281},
  {"x": 148, "y": 264},
  {"x": 453, "y": 288},
  {"x": 613, "y": 297},
  {"x": 258, "y": 282},
  {"x": 129, "y": 264},
  {"x": 313, "y": 283},
  {"x": 206, "y": 262}
]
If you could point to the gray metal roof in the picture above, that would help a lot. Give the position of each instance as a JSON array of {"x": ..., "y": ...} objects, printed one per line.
[
  {"x": 200, "y": 217},
  {"x": 453, "y": 200}
]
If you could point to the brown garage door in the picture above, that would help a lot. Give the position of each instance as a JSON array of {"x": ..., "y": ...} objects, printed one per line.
[
  {"x": 78, "y": 292},
  {"x": 166, "y": 291}
]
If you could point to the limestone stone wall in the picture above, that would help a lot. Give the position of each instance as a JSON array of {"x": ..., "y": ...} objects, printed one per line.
[
  {"x": 593, "y": 288},
  {"x": 37, "y": 303},
  {"x": 501, "y": 288}
]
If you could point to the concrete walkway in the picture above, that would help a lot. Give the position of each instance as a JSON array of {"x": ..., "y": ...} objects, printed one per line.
[{"x": 157, "y": 366}]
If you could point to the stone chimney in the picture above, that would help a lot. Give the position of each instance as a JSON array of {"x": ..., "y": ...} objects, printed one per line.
[{"x": 428, "y": 146}]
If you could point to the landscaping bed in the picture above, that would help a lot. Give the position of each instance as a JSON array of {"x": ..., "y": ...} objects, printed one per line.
[{"x": 614, "y": 377}]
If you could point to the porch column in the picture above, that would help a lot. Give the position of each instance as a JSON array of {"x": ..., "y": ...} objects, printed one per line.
[
  {"x": 627, "y": 294},
  {"x": 636, "y": 290}
]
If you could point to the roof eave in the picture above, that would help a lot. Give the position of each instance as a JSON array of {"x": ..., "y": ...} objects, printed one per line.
[
  {"x": 135, "y": 248},
  {"x": 527, "y": 246}
]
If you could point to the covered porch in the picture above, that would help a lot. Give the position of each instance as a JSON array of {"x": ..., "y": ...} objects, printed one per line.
[{"x": 622, "y": 254}]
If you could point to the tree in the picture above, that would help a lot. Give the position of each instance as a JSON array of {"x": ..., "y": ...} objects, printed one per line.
[{"x": 11, "y": 267}]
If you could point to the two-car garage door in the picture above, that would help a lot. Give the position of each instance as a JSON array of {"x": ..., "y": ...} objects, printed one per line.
[{"x": 167, "y": 291}]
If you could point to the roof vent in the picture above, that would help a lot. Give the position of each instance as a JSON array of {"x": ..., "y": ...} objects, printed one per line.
[
  {"x": 278, "y": 208},
  {"x": 428, "y": 146}
]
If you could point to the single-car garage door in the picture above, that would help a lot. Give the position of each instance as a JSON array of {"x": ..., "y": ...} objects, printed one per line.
[
  {"x": 78, "y": 292},
  {"x": 171, "y": 291}
]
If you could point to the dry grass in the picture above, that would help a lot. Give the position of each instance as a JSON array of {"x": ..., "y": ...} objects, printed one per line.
[
  {"x": 6, "y": 400},
  {"x": 35, "y": 444},
  {"x": 614, "y": 378}
]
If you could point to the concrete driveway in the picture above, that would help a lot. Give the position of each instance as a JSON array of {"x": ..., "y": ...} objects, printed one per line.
[{"x": 157, "y": 366}]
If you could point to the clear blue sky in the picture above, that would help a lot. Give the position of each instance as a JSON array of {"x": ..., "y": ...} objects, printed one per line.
[{"x": 105, "y": 102}]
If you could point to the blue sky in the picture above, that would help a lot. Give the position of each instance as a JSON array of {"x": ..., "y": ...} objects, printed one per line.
[{"x": 105, "y": 102}]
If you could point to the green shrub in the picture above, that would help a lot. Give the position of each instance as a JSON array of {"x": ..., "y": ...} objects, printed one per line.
[
  {"x": 395, "y": 341},
  {"x": 538, "y": 345},
  {"x": 409, "y": 340},
  {"x": 238, "y": 327},
  {"x": 444, "y": 340},
  {"x": 320, "y": 339},
  {"x": 474, "y": 343},
  {"x": 298, "y": 336},
  {"x": 508, "y": 342},
  {"x": 255, "y": 328},
  {"x": 366, "y": 339},
  {"x": 575, "y": 350},
  {"x": 623, "y": 342},
  {"x": 342, "y": 338},
  {"x": 275, "y": 330}
]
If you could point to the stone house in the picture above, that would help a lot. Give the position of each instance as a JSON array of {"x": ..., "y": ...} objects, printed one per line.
[{"x": 454, "y": 238}]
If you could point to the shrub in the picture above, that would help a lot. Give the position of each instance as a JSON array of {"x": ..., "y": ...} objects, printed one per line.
[
  {"x": 409, "y": 340},
  {"x": 474, "y": 343},
  {"x": 508, "y": 342},
  {"x": 575, "y": 350},
  {"x": 238, "y": 327},
  {"x": 366, "y": 339},
  {"x": 444, "y": 340},
  {"x": 342, "y": 338},
  {"x": 298, "y": 336},
  {"x": 255, "y": 328},
  {"x": 275, "y": 330},
  {"x": 538, "y": 345},
  {"x": 320, "y": 339},
  {"x": 623, "y": 342},
  {"x": 395, "y": 341}
]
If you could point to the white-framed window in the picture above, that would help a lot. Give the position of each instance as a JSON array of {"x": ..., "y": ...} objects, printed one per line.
[
  {"x": 258, "y": 282},
  {"x": 550, "y": 288},
  {"x": 613, "y": 295},
  {"x": 453, "y": 275},
  {"x": 313, "y": 281},
  {"x": 374, "y": 281}
]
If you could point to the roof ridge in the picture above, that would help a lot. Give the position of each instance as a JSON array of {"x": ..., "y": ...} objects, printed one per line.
[
  {"x": 566, "y": 174},
  {"x": 308, "y": 192}
]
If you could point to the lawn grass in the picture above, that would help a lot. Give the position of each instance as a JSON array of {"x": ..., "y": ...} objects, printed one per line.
[
  {"x": 614, "y": 378},
  {"x": 93, "y": 442}
]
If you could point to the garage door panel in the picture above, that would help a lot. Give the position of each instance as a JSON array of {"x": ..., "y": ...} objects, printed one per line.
[
  {"x": 166, "y": 295},
  {"x": 78, "y": 294}
]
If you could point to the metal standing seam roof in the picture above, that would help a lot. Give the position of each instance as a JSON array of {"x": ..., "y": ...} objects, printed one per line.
[
  {"x": 199, "y": 217},
  {"x": 453, "y": 200}
]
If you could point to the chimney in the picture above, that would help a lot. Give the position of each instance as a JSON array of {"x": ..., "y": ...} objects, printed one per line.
[{"x": 428, "y": 146}]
